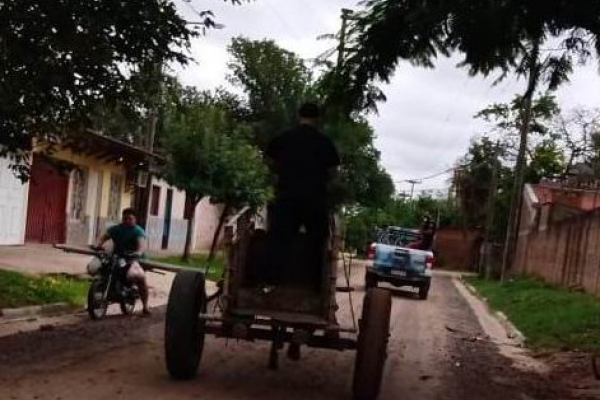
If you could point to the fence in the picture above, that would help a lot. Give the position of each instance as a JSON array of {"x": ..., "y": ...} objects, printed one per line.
[{"x": 565, "y": 253}]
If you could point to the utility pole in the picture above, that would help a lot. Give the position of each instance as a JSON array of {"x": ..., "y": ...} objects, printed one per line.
[
  {"x": 145, "y": 194},
  {"x": 413, "y": 182},
  {"x": 493, "y": 189}
]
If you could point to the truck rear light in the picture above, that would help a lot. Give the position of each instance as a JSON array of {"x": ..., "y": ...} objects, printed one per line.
[
  {"x": 371, "y": 251},
  {"x": 429, "y": 261}
]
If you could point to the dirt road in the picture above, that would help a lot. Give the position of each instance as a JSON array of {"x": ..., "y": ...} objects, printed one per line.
[{"x": 437, "y": 352}]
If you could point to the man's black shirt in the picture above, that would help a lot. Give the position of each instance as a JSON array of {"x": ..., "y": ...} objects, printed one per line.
[{"x": 302, "y": 157}]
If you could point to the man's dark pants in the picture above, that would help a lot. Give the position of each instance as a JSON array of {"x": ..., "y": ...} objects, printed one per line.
[{"x": 286, "y": 217}]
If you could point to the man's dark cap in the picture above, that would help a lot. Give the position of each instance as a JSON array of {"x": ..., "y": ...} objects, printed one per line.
[{"x": 309, "y": 110}]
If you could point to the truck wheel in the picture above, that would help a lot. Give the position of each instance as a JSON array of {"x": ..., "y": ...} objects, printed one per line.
[
  {"x": 370, "y": 281},
  {"x": 424, "y": 291},
  {"x": 184, "y": 330},
  {"x": 372, "y": 344}
]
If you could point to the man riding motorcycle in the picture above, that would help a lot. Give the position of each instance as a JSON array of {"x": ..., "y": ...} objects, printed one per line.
[{"x": 128, "y": 238}]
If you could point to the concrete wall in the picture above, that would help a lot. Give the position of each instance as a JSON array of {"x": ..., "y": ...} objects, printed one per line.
[
  {"x": 566, "y": 253},
  {"x": 207, "y": 219},
  {"x": 13, "y": 206}
]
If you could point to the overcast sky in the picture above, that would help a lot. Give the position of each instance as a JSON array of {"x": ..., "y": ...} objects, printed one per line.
[{"x": 427, "y": 122}]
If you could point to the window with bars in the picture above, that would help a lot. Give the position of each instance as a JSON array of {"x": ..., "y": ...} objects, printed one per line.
[
  {"x": 78, "y": 193},
  {"x": 155, "y": 201},
  {"x": 114, "y": 199}
]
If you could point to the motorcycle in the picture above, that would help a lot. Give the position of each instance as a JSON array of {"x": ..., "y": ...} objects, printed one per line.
[{"x": 110, "y": 284}]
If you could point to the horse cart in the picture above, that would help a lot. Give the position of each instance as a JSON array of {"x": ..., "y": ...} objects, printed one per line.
[{"x": 301, "y": 312}]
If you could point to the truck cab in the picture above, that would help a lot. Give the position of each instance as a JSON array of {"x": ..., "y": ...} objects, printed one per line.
[{"x": 394, "y": 262}]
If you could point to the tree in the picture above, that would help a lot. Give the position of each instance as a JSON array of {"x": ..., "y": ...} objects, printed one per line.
[
  {"x": 547, "y": 161},
  {"x": 473, "y": 177},
  {"x": 578, "y": 133},
  {"x": 209, "y": 156},
  {"x": 274, "y": 80},
  {"x": 61, "y": 59},
  {"x": 362, "y": 180}
]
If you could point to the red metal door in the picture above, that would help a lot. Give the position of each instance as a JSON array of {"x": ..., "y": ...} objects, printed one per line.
[{"x": 46, "y": 211}]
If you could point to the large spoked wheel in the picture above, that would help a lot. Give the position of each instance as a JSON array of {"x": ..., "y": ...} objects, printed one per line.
[
  {"x": 373, "y": 338},
  {"x": 97, "y": 303},
  {"x": 370, "y": 280},
  {"x": 184, "y": 331}
]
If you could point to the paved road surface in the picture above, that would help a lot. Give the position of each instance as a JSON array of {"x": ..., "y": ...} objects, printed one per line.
[{"x": 434, "y": 351}]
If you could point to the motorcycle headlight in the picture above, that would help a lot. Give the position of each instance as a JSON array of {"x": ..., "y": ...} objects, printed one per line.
[{"x": 94, "y": 266}]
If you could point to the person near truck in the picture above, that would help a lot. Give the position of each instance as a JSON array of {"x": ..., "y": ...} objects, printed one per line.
[{"x": 426, "y": 235}]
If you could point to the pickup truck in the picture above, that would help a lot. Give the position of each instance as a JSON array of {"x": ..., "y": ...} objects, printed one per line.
[{"x": 394, "y": 263}]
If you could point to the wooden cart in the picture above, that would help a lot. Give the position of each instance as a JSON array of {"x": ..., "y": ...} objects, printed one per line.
[{"x": 298, "y": 312}]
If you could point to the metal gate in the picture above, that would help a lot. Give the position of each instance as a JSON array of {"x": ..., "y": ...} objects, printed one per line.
[{"x": 46, "y": 211}]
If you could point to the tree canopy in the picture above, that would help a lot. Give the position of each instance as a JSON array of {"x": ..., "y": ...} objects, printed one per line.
[
  {"x": 489, "y": 36},
  {"x": 276, "y": 82},
  {"x": 62, "y": 60},
  {"x": 210, "y": 156}
]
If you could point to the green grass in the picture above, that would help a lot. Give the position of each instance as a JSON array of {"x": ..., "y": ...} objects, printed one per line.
[
  {"x": 18, "y": 290},
  {"x": 198, "y": 261},
  {"x": 550, "y": 317}
]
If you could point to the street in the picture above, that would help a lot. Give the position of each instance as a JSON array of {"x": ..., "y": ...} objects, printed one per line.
[{"x": 437, "y": 351}]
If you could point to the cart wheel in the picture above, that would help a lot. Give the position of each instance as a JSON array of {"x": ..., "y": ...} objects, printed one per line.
[
  {"x": 370, "y": 281},
  {"x": 97, "y": 304},
  {"x": 184, "y": 331},
  {"x": 372, "y": 344}
]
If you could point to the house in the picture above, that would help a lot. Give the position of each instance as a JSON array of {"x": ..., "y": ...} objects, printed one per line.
[
  {"x": 549, "y": 202},
  {"x": 168, "y": 217},
  {"x": 78, "y": 188}
]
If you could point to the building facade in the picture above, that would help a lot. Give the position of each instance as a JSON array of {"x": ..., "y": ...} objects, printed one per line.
[{"x": 78, "y": 190}]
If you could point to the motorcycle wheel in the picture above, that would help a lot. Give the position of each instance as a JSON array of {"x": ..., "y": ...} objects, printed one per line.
[
  {"x": 127, "y": 305},
  {"x": 97, "y": 303}
]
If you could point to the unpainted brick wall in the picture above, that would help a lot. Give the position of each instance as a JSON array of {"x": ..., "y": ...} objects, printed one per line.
[
  {"x": 457, "y": 248},
  {"x": 567, "y": 253}
]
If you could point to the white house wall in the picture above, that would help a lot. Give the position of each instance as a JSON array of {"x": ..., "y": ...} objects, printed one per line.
[
  {"x": 13, "y": 206},
  {"x": 155, "y": 226},
  {"x": 207, "y": 219}
]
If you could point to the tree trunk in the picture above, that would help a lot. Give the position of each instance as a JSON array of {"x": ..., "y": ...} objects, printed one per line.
[
  {"x": 515, "y": 201},
  {"x": 486, "y": 271},
  {"x": 190, "y": 232},
  {"x": 215, "y": 241}
]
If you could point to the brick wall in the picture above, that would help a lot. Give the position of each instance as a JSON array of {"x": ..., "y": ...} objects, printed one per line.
[
  {"x": 457, "y": 248},
  {"x": 566, "y": 253}
]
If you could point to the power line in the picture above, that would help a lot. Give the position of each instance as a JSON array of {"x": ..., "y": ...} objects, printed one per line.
[
  {"x": 278, "y": 15},
  {"x": 447, "y": 171}
]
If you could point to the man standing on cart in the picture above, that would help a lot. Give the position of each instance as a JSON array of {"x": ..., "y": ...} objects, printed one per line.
[{"x": 304, "y": 161}]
